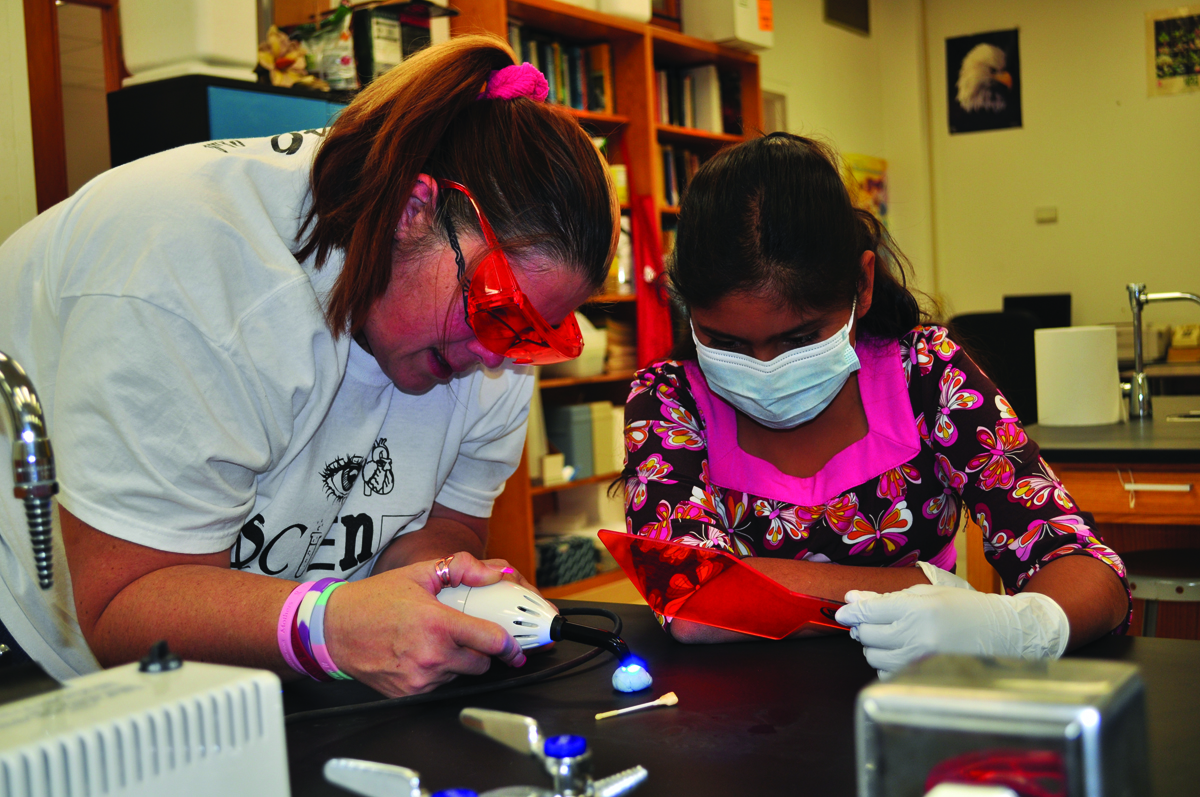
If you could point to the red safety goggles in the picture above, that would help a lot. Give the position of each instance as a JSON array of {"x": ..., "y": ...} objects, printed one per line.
[{"x": 498, "y": 311}]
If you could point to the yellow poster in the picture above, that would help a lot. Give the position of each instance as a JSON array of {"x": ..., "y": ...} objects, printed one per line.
[
  {"x": 1173, "y": 50},
  {"x": 867, "y": 180}
]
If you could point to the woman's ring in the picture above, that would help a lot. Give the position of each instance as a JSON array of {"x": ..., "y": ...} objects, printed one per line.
[{"x": 442, "y": 568}]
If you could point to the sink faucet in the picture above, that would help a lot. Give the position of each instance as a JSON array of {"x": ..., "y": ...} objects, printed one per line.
[
  {"x": 33, "y": 462},
  {"x": 1139, "y": 394}
]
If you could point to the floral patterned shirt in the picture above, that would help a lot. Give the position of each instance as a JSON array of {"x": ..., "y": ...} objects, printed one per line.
[{"x": 941, "y": 437}]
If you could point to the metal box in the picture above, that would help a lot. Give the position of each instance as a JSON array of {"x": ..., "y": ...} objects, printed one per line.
[
  {"x": 202, "y": 730},
  {"x": 1075, "y": 728}
]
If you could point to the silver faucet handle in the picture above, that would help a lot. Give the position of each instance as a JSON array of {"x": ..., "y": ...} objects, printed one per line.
[
  {"x": 519, "y": 732},
  {"x": 372, "y": 779},
  {"x": 1137, "y": 293},
  {"x": 620, "y": 783}
]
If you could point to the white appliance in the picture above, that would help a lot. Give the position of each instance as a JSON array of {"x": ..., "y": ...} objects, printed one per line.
[
  {"x": 199, "y": 729},
  {"x": 741, "y": 24},
  {"x": 162, "y": 40}
]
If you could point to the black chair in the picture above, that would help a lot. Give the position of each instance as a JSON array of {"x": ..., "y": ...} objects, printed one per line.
[
  {"x": 1002, "y": 345},
  {"x": 1047, "y": 309}
]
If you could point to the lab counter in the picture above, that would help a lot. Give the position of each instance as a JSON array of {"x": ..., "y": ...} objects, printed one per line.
[
  {"x": 754, "y": 718},
  {"x": 1140, "y": 481},
  {"x": 1139, "y": 473},
  {"x": 1159, "y": 441}
]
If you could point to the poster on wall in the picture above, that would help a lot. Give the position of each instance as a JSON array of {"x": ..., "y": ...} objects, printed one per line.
[
  {"x": 983, "y": 81},
  {"x": 866, "y": 177},
  {"x": 1173, "y": 50}
]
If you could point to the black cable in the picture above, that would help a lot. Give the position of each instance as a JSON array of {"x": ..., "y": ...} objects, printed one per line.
[{"x": 467, "y": 691}]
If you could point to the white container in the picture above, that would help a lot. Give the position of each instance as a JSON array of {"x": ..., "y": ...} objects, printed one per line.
[
  {"x": 741, "y": 24},
  {"x": 591, "y": 362},
  {"x": 1077, "y": 379},
  {"x": 167, "y": 38},
  {"x": 638, "y": 10}
]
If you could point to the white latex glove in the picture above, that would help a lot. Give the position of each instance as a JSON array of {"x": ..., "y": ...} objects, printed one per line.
[
  {"x": 942, "y": 578},
  {"x": 900, "y": 627}
]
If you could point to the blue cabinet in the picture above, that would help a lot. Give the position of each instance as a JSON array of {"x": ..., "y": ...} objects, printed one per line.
[{"x": 152, "y": 117}]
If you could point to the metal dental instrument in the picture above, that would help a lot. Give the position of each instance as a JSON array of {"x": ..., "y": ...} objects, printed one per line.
[
  {"x": 1139, "y": 393},
  {"x": 566, "y": 759},
  {"x": 33, "y": 462}
]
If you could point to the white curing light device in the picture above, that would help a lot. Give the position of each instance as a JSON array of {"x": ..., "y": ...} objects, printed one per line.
[
  {"x": 157, "y": 727},
  {"x": 533, "y": 621},
  {"x": 521, "y": 612}
]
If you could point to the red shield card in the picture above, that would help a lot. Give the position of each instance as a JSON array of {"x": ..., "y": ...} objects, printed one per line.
[{"x": 710, "y": 586}]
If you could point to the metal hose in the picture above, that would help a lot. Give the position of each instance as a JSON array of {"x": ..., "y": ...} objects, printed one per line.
[
  {"x": 34, "y": 479},
  {"x": 39, "y": 516}
]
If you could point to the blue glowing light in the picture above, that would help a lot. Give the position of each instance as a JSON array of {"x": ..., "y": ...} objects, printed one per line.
[
  {"x": 633, "y": 664},
  {"x": 632, "y": 676}
]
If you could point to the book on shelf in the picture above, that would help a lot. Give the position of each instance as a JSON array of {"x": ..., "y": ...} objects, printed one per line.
[
  {"x": 589, "y": 436},
  {"x": 686, "y": 90},
  {"x": 560, "y": 86},
  {"x": 731, "y": 101},
  {"x": 569, "y": 428},
  {"x": 662, "y": 114},
  {"x": 618, "y": 429},
  {"x": 578, "y": 77},
  {"x": 536, "y": 444},
  {"x": 622, "y": 346},
  {"x": 679, "y": 167},
  {"x": 603, "y": 456},
  {"x": 675, "y": 94},
  {"x": 669, "y": 231},
  {"x": 599, "y": 79},
  {"x": 706, "y": 98},
  {"x": 703, "y": 98},
  {"x": 382, "y": 37}
]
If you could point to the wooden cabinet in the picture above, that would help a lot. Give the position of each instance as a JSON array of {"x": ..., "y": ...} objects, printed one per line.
[
  {"x": 1135, "y": 494},
  {"x": 634, "y": 138},
  {"x": 1162, "y": 510}
]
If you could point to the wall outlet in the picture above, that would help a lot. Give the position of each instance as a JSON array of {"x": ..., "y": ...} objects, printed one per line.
[{"x": 1046, "y": 215}]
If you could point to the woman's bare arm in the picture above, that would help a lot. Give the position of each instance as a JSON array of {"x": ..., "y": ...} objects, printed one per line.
[
  {"x": 1089, "y": 592},
  {"x": 388, "y": 630}
]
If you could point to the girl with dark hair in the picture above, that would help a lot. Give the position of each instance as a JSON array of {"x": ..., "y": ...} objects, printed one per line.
[
  {"x": 274, "y": 376},
  {"x": 818, "y": 428}
]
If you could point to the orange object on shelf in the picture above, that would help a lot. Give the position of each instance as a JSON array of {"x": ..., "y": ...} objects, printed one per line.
[{"x": 710, "y": 586}]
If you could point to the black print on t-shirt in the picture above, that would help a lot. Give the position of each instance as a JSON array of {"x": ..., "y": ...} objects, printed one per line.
[
  {"x": 359, "y": 541},
  {"x": 289, "y": 143},
  {"x": 254, "y": 534},
  {"x": 224, "y": 146},
  {"x": 339, "y": 475}
]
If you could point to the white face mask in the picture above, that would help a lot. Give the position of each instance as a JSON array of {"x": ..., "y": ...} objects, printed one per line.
[{"x": 788, "y": 390}]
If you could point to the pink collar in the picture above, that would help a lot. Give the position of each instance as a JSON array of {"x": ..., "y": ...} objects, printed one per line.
[{"x": 892, "y": 438}]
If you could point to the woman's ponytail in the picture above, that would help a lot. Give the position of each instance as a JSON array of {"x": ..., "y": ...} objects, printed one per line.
[{"x": 425, "y": 116}]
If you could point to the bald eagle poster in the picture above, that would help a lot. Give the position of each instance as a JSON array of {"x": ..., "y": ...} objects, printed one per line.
[{"x": 983, "y": 81}]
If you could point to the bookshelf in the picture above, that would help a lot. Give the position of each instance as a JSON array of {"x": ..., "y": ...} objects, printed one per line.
[
  {"x": 599, "y": 478},
  {"x": 571, "y": 381},
  {"x": 636, "y": 136}
]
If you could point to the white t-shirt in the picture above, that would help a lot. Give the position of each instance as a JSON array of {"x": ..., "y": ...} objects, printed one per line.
[{"x": 196, "y": 399}]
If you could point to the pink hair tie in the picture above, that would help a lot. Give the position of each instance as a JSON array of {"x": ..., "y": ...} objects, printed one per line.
[{"x": 518, "y": 80}]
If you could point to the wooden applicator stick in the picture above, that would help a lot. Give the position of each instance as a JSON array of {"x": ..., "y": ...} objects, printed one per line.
[{"x": 669, "y": 699}]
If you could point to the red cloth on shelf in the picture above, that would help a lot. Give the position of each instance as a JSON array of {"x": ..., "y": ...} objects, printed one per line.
[{"x": 654, "y": 334}]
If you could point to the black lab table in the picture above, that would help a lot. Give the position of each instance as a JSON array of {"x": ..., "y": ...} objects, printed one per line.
[{"x": 753, "y": 718}]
